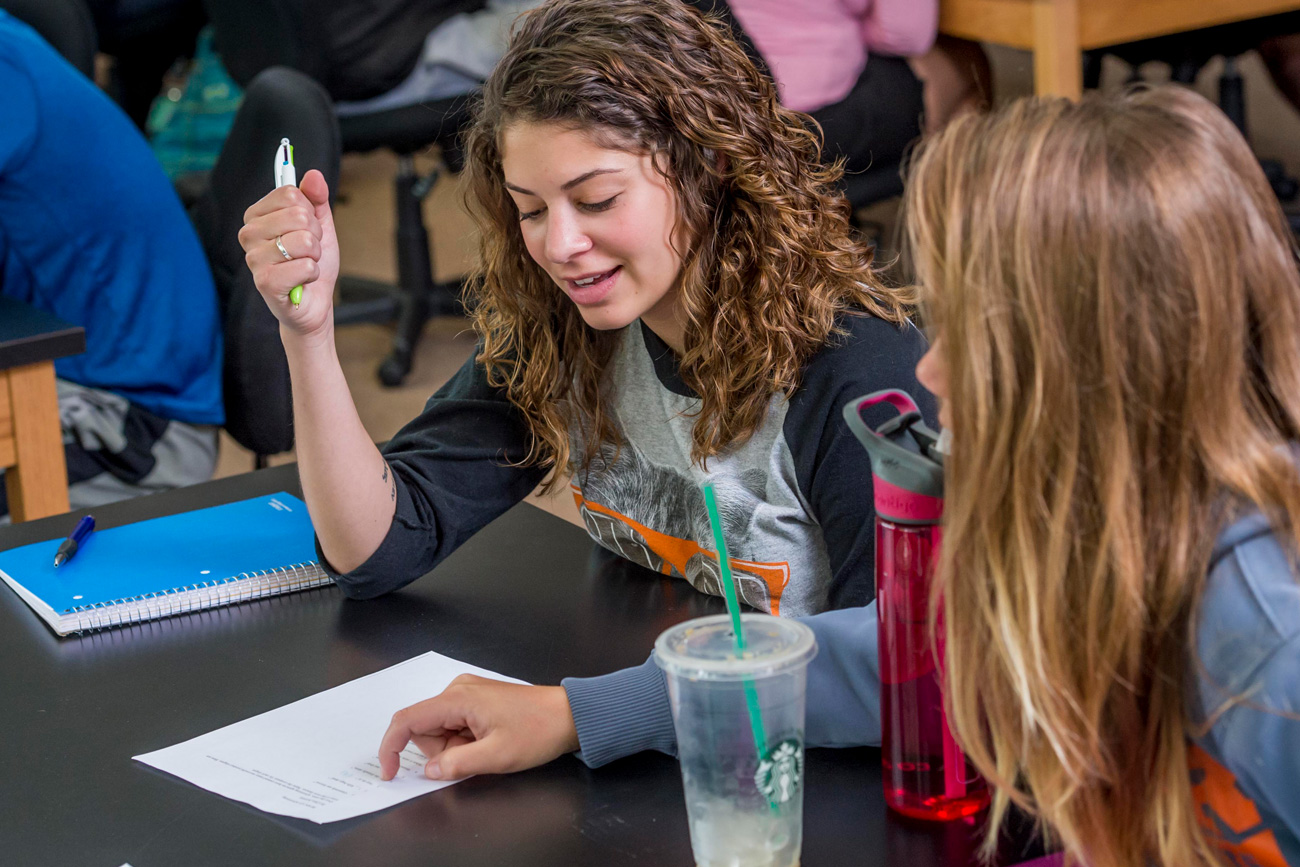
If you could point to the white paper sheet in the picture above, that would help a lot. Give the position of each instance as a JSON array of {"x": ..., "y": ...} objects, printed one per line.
[{"x": 317, "y": 758}]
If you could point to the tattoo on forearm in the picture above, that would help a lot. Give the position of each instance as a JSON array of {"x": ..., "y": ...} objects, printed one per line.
[{"x": 392, "y": 483}]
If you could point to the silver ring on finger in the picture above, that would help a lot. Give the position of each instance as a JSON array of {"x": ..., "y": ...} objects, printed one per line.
[{"x": 280, "y": 245}]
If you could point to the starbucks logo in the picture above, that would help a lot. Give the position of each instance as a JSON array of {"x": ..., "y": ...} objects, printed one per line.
[{"x": 780, "y": 775}]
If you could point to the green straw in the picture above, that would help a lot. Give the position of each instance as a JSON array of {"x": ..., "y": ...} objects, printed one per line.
[{"x": 733, "y": 607}]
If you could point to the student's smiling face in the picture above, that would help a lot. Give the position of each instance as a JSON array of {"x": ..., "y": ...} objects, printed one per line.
[{"x": 587, "y": 211}]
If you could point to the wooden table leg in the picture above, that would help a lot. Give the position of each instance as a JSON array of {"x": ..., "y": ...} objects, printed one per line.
[
  {"x": 37, "y": 484},
  {"x": 1058, "y": 58}
]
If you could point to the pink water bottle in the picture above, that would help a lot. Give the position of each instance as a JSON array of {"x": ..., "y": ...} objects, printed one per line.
[{"x": 926, "y": 774}]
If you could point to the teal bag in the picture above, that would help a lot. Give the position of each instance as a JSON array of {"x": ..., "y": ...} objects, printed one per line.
[{"x": 187, "y": 130}]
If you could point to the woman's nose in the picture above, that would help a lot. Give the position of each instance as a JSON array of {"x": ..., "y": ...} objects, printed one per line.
[
  {"x": 930, "y": 371},
  {"x": 565, "y": 238}
]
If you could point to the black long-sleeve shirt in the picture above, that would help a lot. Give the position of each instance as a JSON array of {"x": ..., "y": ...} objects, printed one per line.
[{"x": 795, "y": 498}]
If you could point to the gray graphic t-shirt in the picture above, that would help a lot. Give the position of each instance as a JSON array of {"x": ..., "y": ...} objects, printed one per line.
[{"x": 643, "y": 501}]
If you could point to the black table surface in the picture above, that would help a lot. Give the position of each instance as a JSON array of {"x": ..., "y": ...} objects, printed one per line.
[
  {"x": 29, "y": 335},
  {"x": 529, "y": 596}
]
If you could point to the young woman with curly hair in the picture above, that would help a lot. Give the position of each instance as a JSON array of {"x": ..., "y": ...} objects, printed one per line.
[
  {"x": 1115, "y": 301},
  {"x": 667, "y": 289}
]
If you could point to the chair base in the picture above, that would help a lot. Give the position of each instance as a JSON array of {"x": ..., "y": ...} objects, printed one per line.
[
  {"x": 416, "y": 296},
  {"x": 374, "y": 301}
]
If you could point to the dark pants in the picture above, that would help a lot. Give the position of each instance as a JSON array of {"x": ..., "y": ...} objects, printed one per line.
[
  {"x": 146, "y": 37},
  {"x": 872, "y": 127},
  {"x": 116, "y": 450}
]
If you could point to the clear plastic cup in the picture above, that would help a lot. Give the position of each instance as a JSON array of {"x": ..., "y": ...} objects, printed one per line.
[{"x": 740, "y": 726}]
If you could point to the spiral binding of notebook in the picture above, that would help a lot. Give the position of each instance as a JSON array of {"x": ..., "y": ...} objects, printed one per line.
[
  {"x": 173, "y": 564},
  {"x": 201, "y": 596}
]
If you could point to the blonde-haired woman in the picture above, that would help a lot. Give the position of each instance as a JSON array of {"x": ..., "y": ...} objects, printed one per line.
[
  {"x": 1115, "y": 298},
  {"x": 666, "y": 283}
]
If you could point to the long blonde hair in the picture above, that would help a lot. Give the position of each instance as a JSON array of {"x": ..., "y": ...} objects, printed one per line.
[
  {"x": 771, "y": 263},
  {"x": 1117, "y": 293}
]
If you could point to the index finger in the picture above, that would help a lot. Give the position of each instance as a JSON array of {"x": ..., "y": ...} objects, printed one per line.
[
  {"x": 431, "y": 715},
  {"x": 277, "y": 199}
]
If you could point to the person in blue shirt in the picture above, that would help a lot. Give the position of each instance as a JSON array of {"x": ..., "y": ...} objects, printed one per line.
[
  {"x": 92, "y": 231},
  {"x": 1115, "y": 304}
]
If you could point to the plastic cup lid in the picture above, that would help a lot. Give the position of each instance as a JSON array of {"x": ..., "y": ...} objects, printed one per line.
[{"x": 705, "y": 648}]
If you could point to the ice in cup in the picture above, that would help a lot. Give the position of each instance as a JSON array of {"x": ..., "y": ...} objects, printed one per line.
[{"x": 740, "y": 726}]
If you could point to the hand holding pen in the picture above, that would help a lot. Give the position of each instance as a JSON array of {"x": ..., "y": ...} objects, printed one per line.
[{"x": 289, "y": 241}]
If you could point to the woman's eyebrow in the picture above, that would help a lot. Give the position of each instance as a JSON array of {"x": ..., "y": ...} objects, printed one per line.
[{"x": 567, "y": 185}]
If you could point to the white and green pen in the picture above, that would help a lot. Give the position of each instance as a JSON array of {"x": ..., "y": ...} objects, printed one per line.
[{"x": 286, "y": 175}]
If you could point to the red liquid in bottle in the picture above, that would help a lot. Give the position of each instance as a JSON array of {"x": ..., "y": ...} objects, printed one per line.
[{"x": 926, "y": 774}]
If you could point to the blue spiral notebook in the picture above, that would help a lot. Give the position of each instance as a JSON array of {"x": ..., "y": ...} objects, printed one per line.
[{"x": 179, "y": 563}]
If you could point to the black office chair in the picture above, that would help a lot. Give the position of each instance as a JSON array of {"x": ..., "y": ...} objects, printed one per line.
[
  {"x": 406, "y": 132},
  {"x": 278, "y": 102},
  {"x": 65, "y": 24},
  {"x": 252, "y": 35}
]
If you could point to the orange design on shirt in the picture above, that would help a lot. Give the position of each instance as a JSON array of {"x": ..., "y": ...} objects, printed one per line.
[
  {"x": 1231, "y": 819},
  {"x": 676, "y": 552}
]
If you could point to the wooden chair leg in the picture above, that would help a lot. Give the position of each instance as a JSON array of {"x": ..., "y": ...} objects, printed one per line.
[
  {"x": 1058, "y": 56},
  {"x": 37, "y": 483}
]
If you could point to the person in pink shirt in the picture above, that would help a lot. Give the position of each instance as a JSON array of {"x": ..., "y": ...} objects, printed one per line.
[
  {"x": 873, "y": 73},
  {"x": 818, "y": 49}
]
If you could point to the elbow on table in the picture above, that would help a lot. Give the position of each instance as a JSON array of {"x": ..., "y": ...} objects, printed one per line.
[
  {"x": 358, "y": 589},
  {"x": 344, "y": 571},
  {"x": 343, "y": 552},
  {"x": 369, "y": 579}
]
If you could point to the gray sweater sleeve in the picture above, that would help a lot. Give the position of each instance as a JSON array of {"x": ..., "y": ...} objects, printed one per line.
[
  {"x": 628, "y": 711},
  {"x": 621, "y": 713}
]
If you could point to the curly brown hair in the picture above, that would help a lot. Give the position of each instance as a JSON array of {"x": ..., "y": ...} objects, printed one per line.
[{"x": 770, "y": 262}]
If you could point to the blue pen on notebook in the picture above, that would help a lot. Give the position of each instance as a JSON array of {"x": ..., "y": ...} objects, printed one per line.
[{"x": 68, "y": 549}]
